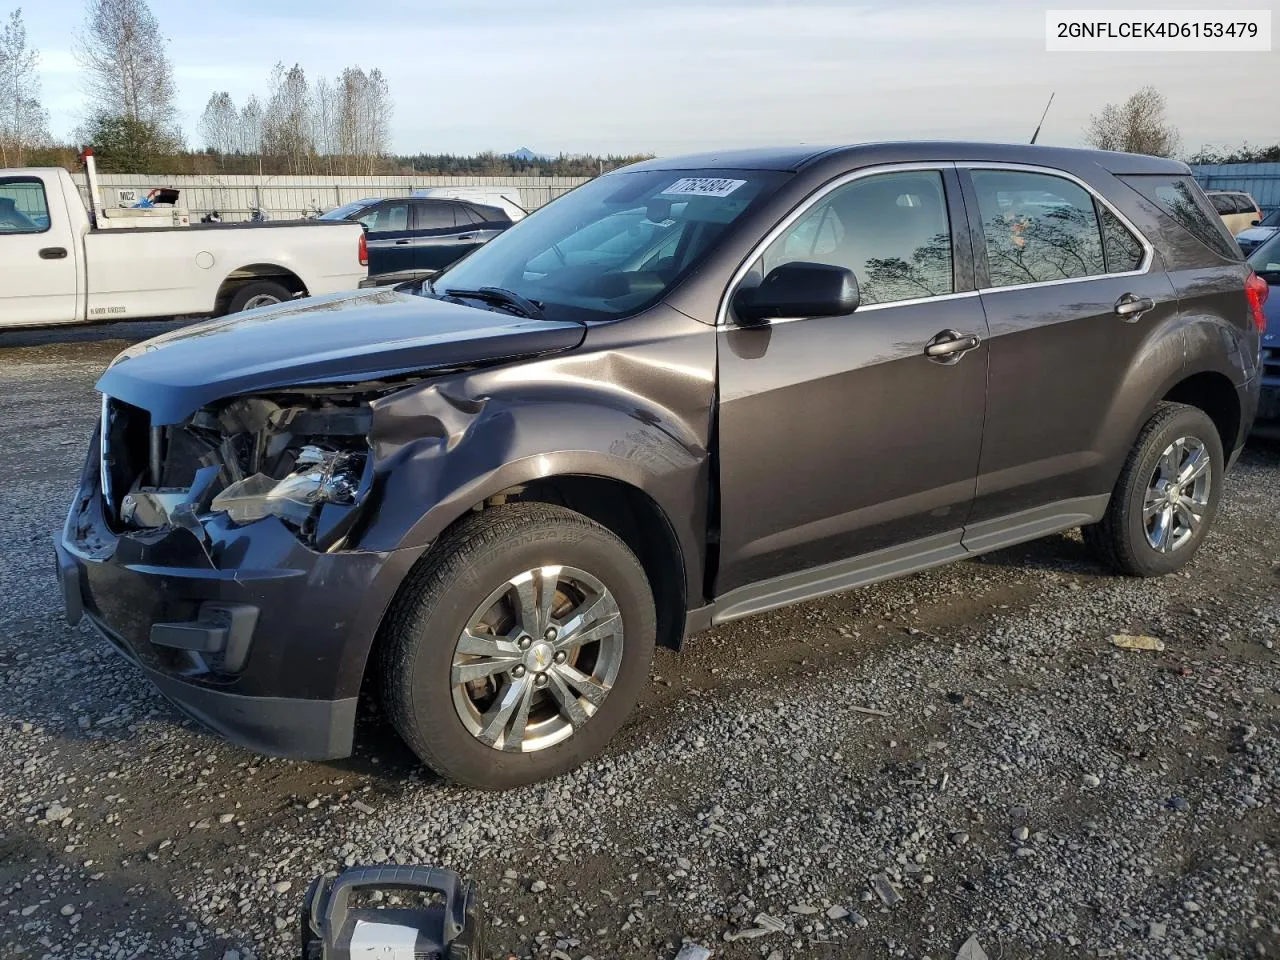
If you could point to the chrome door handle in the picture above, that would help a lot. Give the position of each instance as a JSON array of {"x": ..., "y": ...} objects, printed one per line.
[
  {"x": 467, "y": 236},
  {"x": 950, "y": 345},
  {"x": 1129, "y": 307},
  {"x": 404, "y": 242}
]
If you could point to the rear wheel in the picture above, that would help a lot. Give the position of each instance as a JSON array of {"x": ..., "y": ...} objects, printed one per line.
[
  {"x": 258, "y": 293},
  {"x": 517, "y": 649},
  {"x": 1166, "y": 497}
]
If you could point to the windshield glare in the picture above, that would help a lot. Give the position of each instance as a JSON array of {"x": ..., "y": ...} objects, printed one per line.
[
  {"x": 1266, "y": 259},
  {"x": 614, "y": 245}
]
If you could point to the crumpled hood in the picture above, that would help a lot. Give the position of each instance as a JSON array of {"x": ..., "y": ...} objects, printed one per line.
[{"x": 345, "y": 337}]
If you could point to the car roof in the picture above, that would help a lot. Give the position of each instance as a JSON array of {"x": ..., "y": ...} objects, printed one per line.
[{"x": 796, "y": 158}]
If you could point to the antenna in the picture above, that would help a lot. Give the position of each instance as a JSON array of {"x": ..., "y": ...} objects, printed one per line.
[{"x": 1042, "y": 116}]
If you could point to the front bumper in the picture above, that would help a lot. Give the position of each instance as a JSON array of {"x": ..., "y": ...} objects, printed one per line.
[{"x": 246, "y": 628}]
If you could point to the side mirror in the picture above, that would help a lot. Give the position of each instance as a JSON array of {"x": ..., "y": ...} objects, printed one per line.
[
  {"x": 798, "y": 290},
  {"x": 1254, "y": 223}
]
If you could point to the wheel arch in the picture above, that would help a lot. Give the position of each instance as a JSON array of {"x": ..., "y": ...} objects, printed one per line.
[{"x": 256, "y": 271}]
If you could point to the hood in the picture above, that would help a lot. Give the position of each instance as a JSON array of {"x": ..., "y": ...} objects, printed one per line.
[
  {"x": 1255, "y": 235},
  {"x": 341, "y": 338}
]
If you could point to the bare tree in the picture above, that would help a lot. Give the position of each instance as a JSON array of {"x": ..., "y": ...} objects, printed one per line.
[
  {"x": 1138, "y": 125},
  {"x": 219, "y": 126},
  {"x": 324, "y": 118},
  {"x": 249, "y": 140},
  {"x": 288, "y": 127},
  {"x": 125, "y": 70},
  {"x": 364, "y": 118},
  {"x": 23, "y": 121}
]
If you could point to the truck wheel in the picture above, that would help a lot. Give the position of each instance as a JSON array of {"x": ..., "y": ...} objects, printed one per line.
[
  {"x": 517, "y": 647},
  {"x": 259, "y": 293},
  {"x": 1166, "y": 497}
]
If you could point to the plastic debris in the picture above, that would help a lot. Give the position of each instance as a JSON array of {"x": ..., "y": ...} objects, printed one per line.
[
  {"x": 691, "y": 951},
  {"x": 1128, "y": 641},
  {"x": 971, "y": 949}
]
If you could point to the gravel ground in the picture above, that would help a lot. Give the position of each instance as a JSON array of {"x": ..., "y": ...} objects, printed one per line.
[{"x": 883, "y": 773}]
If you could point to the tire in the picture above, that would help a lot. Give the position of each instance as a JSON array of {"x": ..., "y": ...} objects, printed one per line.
[
  {"x": 268, "y": 292},
  {"x": 486, "y": 556},
  {"x": 1121, "y": 538}
]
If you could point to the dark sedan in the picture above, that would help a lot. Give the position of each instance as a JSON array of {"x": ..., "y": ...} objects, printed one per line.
[
  {"x": 410, "y": 239},
  {"x": 1265, "y": 261}
]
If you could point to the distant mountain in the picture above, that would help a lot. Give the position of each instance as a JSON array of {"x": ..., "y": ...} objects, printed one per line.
[{"x": 527, "y": 155}]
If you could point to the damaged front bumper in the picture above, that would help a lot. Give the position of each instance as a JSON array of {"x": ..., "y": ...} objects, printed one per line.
[{"x": 247, "y": 628}]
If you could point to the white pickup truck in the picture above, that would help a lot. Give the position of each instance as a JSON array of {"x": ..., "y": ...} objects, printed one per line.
[{"x": 58, "y": 266}]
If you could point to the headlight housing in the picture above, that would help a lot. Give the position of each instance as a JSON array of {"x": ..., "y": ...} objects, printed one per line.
[{"x": 319, "y": 477}]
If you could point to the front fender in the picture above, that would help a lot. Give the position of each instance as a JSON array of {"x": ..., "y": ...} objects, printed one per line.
[{"x": 443, "y": 447}]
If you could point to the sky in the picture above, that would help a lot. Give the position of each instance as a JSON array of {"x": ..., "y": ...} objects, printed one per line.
[{"x": 669, "y": 76}]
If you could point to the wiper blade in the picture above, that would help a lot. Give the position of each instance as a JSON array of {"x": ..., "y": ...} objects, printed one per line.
[{"x": 507, "y": 298}]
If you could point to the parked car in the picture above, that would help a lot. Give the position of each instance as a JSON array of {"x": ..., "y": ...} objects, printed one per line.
[
  {"x": 1259, "y": 233},
  {"x": 60, "y": 263},
  {"x": 687, "y": 392},
  {"x": 412, "y": 239},
  {"x": 1265, "y": 261},
  {"x": 1239, "y": 211},
  {"x": 507, "y": 199}
]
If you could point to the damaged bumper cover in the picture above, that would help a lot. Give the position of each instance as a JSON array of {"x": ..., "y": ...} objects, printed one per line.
[{"x": 247, "y": 628}]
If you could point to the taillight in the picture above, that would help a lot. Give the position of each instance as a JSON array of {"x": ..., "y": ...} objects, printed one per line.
[
  {"x": 1256, "y": 289},
  {"x": 364, "y": 251}
]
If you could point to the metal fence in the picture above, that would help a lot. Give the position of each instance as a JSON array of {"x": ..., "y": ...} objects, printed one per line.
[
  {"x": 1259, "y": 180},
  {"x": 285, "y": 197}
]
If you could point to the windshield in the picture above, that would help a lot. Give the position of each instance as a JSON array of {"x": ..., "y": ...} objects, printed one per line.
[
  {"x": 1272, "y": 219},
  {"x": 614, "y": 245},
  {"x": 1266, "y": 259},
  {"x": 346, "y": 210}
]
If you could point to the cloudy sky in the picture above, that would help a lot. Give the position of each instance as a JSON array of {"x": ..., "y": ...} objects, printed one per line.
[{"x": 667, "y": 76}]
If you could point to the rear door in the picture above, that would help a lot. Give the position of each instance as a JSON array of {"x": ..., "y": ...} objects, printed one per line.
[
  {"x": 838, "y": 436},
  {"x": 390, "y": 237},
  {"x": 444, "y": 234},
  {"x": 1071, "y": 291},
  {"x": 37, "y": 256}
]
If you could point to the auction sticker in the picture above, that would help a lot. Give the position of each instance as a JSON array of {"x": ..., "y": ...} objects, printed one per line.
[{"x": 703, "y": 187}]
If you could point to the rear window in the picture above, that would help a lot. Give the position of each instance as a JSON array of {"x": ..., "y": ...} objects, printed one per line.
[
  {"x": 1222, "y": 202},
  {"x": 1182, "y": 199},
  {"x": 1244, "y": 204}
]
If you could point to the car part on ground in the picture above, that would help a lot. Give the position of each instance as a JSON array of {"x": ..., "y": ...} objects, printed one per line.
[
  {"x": 692, "y": 391},
  {"x": 392, "y": 913}
]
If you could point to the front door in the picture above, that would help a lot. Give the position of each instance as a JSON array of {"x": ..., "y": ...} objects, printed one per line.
[
  {"x": 390, "y": 237},
  {"x": 37, "y": 256},
  {"x": 842, "y": 436}
]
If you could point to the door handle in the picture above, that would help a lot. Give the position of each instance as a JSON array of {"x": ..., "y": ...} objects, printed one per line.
[
  {"x": 467, "y": 236},
  {"x": 1130, "y": 308},
  {"x": 950, "y": 345},
  {"x": 53, "y": 253},
  {"x": 404, "y": 242}
]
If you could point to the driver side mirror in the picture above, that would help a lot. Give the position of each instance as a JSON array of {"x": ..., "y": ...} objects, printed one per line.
[
  {"x": 1254, "y": 223},
  {"x": 798, "y": 290}
]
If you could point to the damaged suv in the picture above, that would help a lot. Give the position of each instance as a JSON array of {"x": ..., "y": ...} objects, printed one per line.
[{"x": 688, "y": 391}]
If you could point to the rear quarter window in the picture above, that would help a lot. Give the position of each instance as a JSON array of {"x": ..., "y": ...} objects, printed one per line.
[{"x": 1182, "y": 199}]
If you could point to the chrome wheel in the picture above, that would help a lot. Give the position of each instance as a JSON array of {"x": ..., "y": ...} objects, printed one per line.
[
  {"x": 261, "y": 300},
  {"x": 1177, "y": 495},
  {"x": 537, "y": 659}
]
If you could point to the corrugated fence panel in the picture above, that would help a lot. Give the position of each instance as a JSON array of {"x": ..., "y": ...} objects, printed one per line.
[
  {"x": 1260, "y": 180},
  {"x": 235, "y": 196}
]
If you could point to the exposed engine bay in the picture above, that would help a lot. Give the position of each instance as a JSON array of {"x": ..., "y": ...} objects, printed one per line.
[{"x": 288, "y": 456}]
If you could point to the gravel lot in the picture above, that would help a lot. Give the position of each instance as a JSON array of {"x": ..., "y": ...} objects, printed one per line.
[{"x": 883, "y": 773}]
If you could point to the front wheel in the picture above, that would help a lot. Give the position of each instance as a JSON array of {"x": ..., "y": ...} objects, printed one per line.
[
  {"x": 1166, "y": 497},
  {"x": 518, "y": 647}
]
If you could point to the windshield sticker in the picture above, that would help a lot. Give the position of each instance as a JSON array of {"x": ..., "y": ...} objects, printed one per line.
[{"x": 703, "y": 187}]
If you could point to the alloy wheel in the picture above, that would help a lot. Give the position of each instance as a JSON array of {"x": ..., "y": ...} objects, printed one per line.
[
  {"x": 1177, "y": 495},
  {"x": 537, "y": 659}
]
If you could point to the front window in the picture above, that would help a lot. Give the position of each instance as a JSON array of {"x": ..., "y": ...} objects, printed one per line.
[
  {"x": 614, "y": 245},
  {"x": 23, "y": 208},
  {"x": 345, "y": 211}
]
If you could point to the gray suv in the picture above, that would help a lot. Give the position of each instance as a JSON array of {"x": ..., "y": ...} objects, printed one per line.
[{"x": 687, "y": 392}]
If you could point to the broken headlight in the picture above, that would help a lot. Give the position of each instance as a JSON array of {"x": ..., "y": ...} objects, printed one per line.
[{"x": 319, "y": 477}]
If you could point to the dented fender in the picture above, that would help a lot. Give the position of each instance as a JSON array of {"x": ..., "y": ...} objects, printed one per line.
[{"x": 640, "y": 416}]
